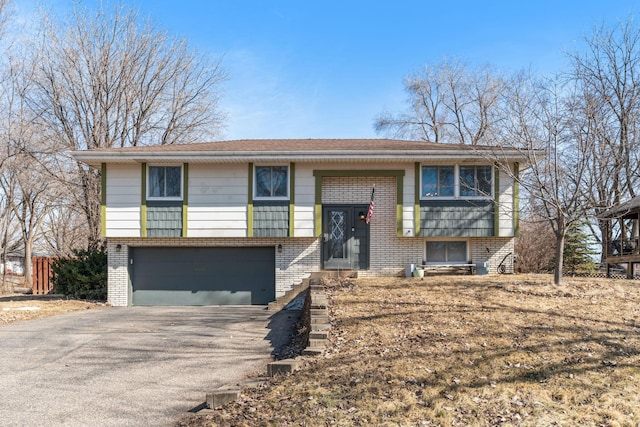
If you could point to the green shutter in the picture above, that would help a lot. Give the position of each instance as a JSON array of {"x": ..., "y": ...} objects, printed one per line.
[
  {"x": 399, "y": 203},
  {"x": 250, "y": 202},
  {"x": 516, "y": 199},
  {"x": 292, "y": 197},
  {"x": 143, "y": 201},
  {"x": 318, "y": 206},
  {"x": 103, "y": 199},
  {"x": 417, "y": 190},
  {"x": 496, "y": 199},
  {"x": 185, "y": 198}
]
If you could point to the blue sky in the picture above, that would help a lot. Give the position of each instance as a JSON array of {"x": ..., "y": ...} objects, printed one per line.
[{"x": 325, "y": 69}]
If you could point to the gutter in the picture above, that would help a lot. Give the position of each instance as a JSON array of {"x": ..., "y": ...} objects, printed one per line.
[{"x": 95, "y": 158}]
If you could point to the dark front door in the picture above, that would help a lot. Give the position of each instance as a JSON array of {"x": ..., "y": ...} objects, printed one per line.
[{"x": 345, "y": 242}]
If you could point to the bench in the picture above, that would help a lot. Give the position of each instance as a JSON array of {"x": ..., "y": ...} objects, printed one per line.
[{"x": 448, "y": 268}]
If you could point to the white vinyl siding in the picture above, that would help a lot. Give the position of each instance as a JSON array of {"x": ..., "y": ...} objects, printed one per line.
[
  {"x": 505, "y": 199},
  {"x": 305, "y": 201},
  {"x": 218, "y": 195},
  {"x": 124, "y": 192},
  {"x": 408, "y": 202}
]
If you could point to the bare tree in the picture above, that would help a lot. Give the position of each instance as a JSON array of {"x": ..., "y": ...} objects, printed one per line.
[
  {"x": 607, "y": 73},
  {"x": 23, "y": 178},
  {"x": 449, "y": 102},
  {"x": 106, "y": 81},
  {"x": 9, "y": 241},
  {"x": 31, "y": 201},
  {"x": 64, "y": 228},
  {"x": 538, "y": 122}
]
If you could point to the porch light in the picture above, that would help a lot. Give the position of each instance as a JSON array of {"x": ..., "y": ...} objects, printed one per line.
[
  {"x": 280, "y": 248},
  {"x": 118, "y": 247},
  {"x": 362, "y": 216}
]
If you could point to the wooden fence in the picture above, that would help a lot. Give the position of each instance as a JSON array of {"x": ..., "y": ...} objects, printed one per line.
[{"x": 41, "y": 277}]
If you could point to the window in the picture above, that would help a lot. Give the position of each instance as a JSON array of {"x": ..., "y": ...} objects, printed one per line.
[
  {"x": 475, "y": 181},
  {"x": 457, "y": 181},
  {"x": 165, "y": 182},
  {"x": 450, "y": 252},
  {"x": 272, "y": 182},
  {"x": 437, "y": 181}
]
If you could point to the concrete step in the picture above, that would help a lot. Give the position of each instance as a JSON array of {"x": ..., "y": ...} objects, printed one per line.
[
  {"x": 317, "y": 343},
  {"x": 319, "y": 312},
  {"x": 313, "y": 351},
  {"x": 319, "y": 319},
  {"x": 318, "y": 335},
  {"x": 319, "y": 301},
  {"x": 219, "y": 398},
  {"x": 320, "y": 327},
  {"x": 285, "y": 366}
]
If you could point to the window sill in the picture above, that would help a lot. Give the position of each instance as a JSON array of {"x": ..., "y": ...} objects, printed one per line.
[
  {"x": 274, "y": 199},
  {"x": 457, "y": 198},
  {"x": 164, "y": 199}
]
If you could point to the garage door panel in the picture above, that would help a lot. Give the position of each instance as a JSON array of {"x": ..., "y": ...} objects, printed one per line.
[
  {"x": 203, "y": 276},
  {"x": 193, "y": 298}
]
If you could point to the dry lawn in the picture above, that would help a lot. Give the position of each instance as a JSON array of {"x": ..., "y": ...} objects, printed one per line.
[
  {"x": 459, "y": 351},
  {"x": 16, "y": 308}
]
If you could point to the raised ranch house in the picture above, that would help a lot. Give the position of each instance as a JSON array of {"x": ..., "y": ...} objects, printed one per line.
[{"x": 239, "y": 222}]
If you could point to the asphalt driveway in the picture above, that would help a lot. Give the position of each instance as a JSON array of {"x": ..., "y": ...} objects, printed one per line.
[{"x": 137, "y": 366}]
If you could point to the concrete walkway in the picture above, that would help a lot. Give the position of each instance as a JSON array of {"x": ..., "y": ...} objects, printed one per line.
[{"x": 135, "y": 366}]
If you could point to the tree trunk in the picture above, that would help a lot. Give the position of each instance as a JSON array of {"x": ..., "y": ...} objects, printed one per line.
[
  {"x": 557, "y": 275},
  {"x": 28, "y": 265}
]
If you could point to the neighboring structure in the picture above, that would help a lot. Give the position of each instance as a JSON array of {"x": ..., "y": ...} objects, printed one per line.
[
  {"x": 239, "y": 222},
  {"x": 14, "y": 265},
  {"x": 623, "y": 222}
]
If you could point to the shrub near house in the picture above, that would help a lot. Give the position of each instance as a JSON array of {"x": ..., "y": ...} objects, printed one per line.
[{"x": 83, "y": 276}]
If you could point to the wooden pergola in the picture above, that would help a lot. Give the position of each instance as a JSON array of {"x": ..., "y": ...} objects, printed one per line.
[{"x": 623, "y": 247}]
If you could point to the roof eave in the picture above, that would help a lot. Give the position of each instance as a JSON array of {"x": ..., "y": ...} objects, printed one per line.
[{"x": 94, "y": 158}]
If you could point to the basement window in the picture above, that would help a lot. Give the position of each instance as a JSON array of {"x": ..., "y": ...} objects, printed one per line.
[{"x": 446, "y": 252}]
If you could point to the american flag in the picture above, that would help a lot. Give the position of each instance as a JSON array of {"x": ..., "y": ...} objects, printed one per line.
[{"x": 371, "y": 205}]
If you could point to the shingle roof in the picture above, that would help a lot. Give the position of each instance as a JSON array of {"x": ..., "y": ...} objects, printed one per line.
[
  {"x": 298, "y": 145},
  {"x": 299, "y": 150}
]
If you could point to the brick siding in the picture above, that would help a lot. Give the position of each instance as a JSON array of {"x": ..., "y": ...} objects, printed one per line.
[
  {"x": 388, "y": 252},
  {"x": 493, "y": 250}
]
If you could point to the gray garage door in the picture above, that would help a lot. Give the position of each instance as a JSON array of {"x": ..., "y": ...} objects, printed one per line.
[{"x": 202, "y": 276}]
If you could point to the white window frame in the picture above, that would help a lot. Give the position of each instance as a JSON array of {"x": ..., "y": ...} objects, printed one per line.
[
  {"x": 255, "y": 182},
  {"x": 171, "y": 198},
  {"x": 446, "y": 240},
  {"x": 456, "y": 183}
]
